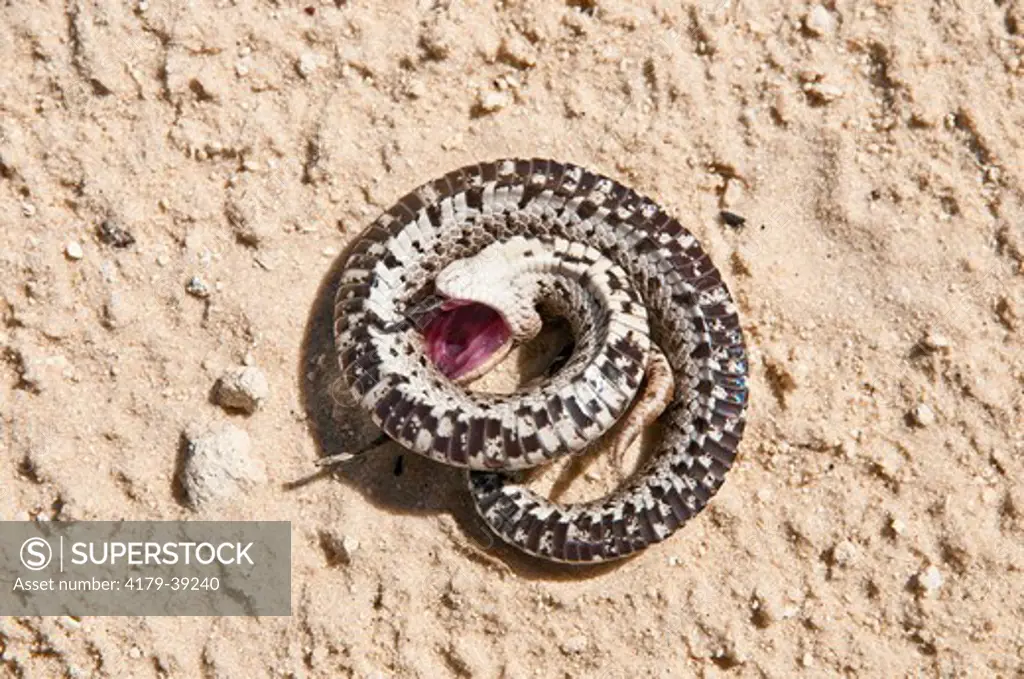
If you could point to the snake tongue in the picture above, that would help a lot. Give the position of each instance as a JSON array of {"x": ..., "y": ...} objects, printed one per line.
[{"x": 463, "y": 335}]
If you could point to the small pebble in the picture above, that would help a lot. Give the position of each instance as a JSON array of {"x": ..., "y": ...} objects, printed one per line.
[
  {"x": 492, "y": 102},
  {"x": 134, "y": 652},
  {"x": 338, "y": 548},
  {"x": 819, "y": 21},
  {"x": 823, "y": 92},
  {"x": 929, "y": 581},
  {"x": 934, "y": 341},
  {"x": 845, "y": 554},
  {"x": 163, "y": 260},
  {"x": 219, "y": 464},
  {"x": 116, "y": 313},
  {"x": 197, "y": 287},
  {"x": 923, "y": 415},
  {"x": 308, "y": 64},
  {"x": 416, "y": 89},
  {"x": 244, "y": 388},
  {"x": 574, "y": 645},
  {"x": 73, "y": 250},
  {"x": 113, "y": 235},
  {"x": 807, "y": 660},
  {"x": 733, "y": 194}
]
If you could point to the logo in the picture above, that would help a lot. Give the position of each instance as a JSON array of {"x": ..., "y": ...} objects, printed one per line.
[{"x": 36, "y": 554}]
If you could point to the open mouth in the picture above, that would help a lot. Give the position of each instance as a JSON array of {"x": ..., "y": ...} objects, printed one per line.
[{"x": 463, "y": 335}]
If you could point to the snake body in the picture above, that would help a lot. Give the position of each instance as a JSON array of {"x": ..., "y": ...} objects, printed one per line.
[{"x": 628, "y": 278}]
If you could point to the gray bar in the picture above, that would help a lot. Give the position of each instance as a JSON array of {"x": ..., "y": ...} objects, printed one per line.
[{"x": 145, "y": 568}]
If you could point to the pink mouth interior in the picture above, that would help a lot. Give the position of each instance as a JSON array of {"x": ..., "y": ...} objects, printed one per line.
[{"x": 463, "y": 336}]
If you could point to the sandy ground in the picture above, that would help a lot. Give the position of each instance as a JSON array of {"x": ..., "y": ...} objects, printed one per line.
[{"x": 874, "y": 525}]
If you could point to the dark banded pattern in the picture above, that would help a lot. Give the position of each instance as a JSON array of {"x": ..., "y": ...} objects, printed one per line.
[{"x": 617, "y": 267}]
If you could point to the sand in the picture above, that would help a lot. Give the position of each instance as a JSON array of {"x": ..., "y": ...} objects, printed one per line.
[{"x": 874, "y": 523}]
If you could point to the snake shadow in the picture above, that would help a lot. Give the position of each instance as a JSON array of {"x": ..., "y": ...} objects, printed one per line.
[{"x": 387, "y": 475}]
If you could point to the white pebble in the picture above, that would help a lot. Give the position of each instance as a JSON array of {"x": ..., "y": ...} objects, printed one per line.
[
  {"x": 923, "y": 415},
  {"x": 308, "y": 63},
  {"x": 935, "y": 341},
  {"x": 929, "y": 580},
  {"x": 73, "y": 250},
  {"x": 819, "y": 21},
  {"x": 493, "y": 102}
]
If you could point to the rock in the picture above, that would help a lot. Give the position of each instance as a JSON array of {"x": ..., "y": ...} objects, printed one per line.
[
  {"x": 73, "y": 250},
  {"x": 928, "y": 581},
  {"x": 733, "y": 194},
  {"x": 845, "y": 554},
  {"x": 492, "y": 102},
  {"x": 935, "y": 341},
  {"x": 242, "y": 388},
  {"x": 38, "y": 371},
  {"x": 218, "y": 464},
  {"x": 819, "y": 21},
  {"x": 116, "y": 313},
  {"x": 416, "y": 89},
  {"x": 823, "y": 93},
  {"x": 308, "y": 64},
  {"x": 437, "y": 43},
  {"x": 1010, "y": 312},
  {"x": 338, "y": 548},
  {"x": 922, "y": 415},
  {"x": 113, "y": 235},
  {"x": 248, "y": 216},
  {"x": 469, "y": 657},
  {"x": 197, "y": 287},
  {"x": 574, "y": 645},
  {"x": 517, "y": 52}
]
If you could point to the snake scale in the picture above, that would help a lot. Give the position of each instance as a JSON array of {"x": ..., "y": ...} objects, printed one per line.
[{"x": 462, "y": 265}]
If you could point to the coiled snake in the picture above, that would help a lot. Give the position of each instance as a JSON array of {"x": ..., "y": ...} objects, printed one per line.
[{"x": 439, "y": 286}]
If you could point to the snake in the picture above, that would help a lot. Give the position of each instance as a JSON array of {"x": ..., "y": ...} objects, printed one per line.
[{"x": 433, "y": 293}]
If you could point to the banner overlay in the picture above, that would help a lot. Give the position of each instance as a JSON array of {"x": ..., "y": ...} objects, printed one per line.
[{"x": 145, "y": 568}]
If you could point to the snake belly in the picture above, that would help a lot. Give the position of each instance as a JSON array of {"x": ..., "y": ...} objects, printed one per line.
[{"x": 625, "y": 274}]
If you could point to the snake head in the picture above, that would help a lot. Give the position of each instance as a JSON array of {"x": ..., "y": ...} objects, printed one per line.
[{"x": 489, "y": 303}]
